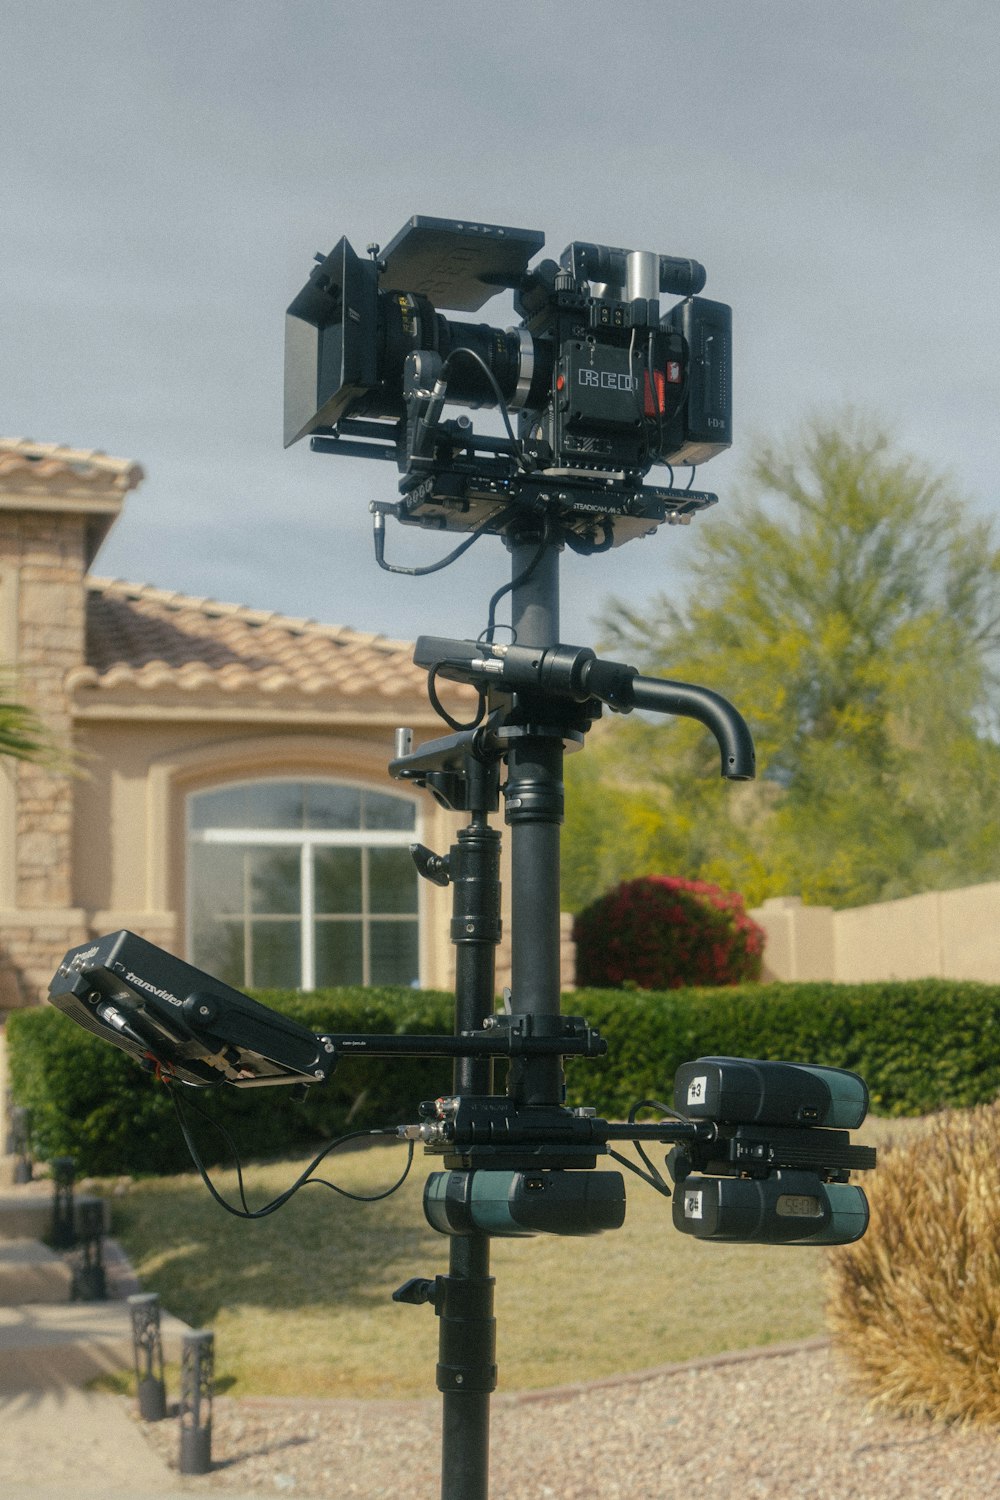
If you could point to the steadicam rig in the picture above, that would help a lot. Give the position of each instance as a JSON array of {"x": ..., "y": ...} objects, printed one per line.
[
  {"x": 596, "y": 387},
  {"x": 603, "y": 387},
  {"x": 761, "y": 1149}
]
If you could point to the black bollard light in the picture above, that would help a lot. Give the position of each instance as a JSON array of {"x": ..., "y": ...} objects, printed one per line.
[
  {"x": 89, "y": 1282},
  {"x": 197, "y": 1386},
  {"x": 62, "y": 1234},
  {"x": 147, "y": 1348},
  {"x": 19, "y": 1142}
]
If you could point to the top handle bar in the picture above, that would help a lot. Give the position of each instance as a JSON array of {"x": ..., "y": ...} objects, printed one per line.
[{"x": 578, "y": 673}]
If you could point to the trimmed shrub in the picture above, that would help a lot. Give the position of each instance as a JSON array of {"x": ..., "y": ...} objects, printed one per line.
[
  {"x": 915, "y": 1305},
  {"x": 661, "y": 932},
  {"x": 920, "y": 1046},
  {"x": 91, "y": 1101}
]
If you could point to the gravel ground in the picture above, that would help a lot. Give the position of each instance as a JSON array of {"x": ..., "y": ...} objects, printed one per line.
[{"x": 782, "y": 1425}]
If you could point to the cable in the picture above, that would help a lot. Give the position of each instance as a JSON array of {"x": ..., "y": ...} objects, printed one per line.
[
  {"x": 378, "y": 533},
  {"x": 586, "y": 548},
  {"x": 501, "y": 403},
  {"x": 302, "y": 1180},
  {"x": 656, "y": 1178},
  {"x": 440, "y": 709},
  {"x": 368, "y": 1197},
  {"x": 664, "y": 1109},
  {"x": 491, "y": 625},
  {"x": 655, "y": 1181}
]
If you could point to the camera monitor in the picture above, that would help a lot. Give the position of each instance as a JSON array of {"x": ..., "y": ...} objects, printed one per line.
[{"x": 169, "y": 1015}]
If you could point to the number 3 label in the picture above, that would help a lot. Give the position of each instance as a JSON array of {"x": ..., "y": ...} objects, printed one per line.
[{"x": 696, "y": 1090}]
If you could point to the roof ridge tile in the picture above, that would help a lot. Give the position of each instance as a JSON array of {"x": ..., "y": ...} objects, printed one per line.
[
  {"x": 155, "y": 639},
  {"x": 54, "y": 460},
  {"x": 214, "y": 608}
]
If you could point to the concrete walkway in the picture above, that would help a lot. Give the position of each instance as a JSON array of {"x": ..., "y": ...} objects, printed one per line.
[{"x": 59, "y": 1440}]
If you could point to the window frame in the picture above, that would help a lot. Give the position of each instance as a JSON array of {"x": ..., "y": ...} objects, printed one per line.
[{"x": 306, "y": 841}]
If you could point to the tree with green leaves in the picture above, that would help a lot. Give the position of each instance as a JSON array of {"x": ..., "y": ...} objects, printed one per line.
[{"x": 849, "y": 605}]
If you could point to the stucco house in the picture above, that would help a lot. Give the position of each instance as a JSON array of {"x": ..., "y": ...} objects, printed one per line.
[{"x": 228, "y": 796}]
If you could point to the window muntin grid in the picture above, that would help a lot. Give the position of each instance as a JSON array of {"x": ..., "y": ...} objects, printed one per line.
[{"x": 300, "y": 883}]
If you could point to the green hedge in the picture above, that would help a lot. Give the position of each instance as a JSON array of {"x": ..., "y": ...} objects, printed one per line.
[
  {"x": 91, "y": 1101},
  {"x": 920, "y": 1046}
]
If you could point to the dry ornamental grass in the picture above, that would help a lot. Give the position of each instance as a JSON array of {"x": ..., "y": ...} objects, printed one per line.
[{"x": 916, "y": 1303}]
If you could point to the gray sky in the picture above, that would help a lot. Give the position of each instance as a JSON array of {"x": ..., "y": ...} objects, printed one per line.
[{"x": 169, "y": 169}]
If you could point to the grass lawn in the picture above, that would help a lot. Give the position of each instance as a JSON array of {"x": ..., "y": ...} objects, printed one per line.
[{"x": 301, "y": 1301}]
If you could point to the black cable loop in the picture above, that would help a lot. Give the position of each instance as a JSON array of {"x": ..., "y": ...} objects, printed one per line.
[
  {"x": 443, "y": 713},
  {"x": 656, "y": 1179},
  {"x": 501, "y": 402},
  {"x": 453, "y": 555},
  {"x": 580, "y": 544},
  {"x": 301, "y": 1181}
]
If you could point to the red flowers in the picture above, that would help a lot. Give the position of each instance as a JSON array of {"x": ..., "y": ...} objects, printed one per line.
[{"x": 662, "y": 932}]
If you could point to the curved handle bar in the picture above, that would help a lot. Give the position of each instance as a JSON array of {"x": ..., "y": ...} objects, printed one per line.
[
  {"x": 576, "y": 672},
  {"x": 739, "y": 760}
]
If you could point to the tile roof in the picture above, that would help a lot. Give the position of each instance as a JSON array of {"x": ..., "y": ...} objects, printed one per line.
[
  {"x": 139, "y": 636},
  {"x": 24, "y": 462}
]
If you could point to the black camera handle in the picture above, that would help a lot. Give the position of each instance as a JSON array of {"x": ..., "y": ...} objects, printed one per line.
[
  {"x": 540, "y": 696},
  {"x": 576, "y": 674}
]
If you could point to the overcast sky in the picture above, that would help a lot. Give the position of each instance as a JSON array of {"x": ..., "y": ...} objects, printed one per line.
[{"x": 169, "y": 170}]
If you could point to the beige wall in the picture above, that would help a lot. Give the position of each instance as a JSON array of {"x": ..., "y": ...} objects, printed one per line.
[
  {"x": 103, "y": 846},
  {"x": 941, "y": 934},
  {"x": 129, "y": 848}
]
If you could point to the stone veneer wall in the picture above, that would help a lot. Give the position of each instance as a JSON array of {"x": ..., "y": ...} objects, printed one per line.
[
  {"x": 43, "y": 559},
  {"x": 50, "y": 641}
]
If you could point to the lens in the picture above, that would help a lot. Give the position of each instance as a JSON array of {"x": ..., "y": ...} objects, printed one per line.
[{"x": 521, "y": 367}]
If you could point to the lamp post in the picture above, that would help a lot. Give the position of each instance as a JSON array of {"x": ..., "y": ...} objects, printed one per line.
[
  {"x": 19, "y": 1142},
  {"x": 89, "y": 1281},
  {"x": 62, "y": 1234},
  {"x": 197, "y": 1385},
  {"x": 147, "y": 1349}
]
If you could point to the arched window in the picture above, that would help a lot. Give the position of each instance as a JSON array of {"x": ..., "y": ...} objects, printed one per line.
[{"x": 302, "y": 884}]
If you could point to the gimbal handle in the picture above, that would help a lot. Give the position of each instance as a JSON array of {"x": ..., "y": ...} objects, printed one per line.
[{"x": 577, "y": 673}]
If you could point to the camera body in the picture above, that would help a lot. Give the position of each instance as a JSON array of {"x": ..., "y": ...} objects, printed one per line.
[{"x": 601, "y": 384}]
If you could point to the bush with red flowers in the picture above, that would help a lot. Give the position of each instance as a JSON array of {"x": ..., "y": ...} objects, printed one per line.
[{"x": 661, "y": 932}]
